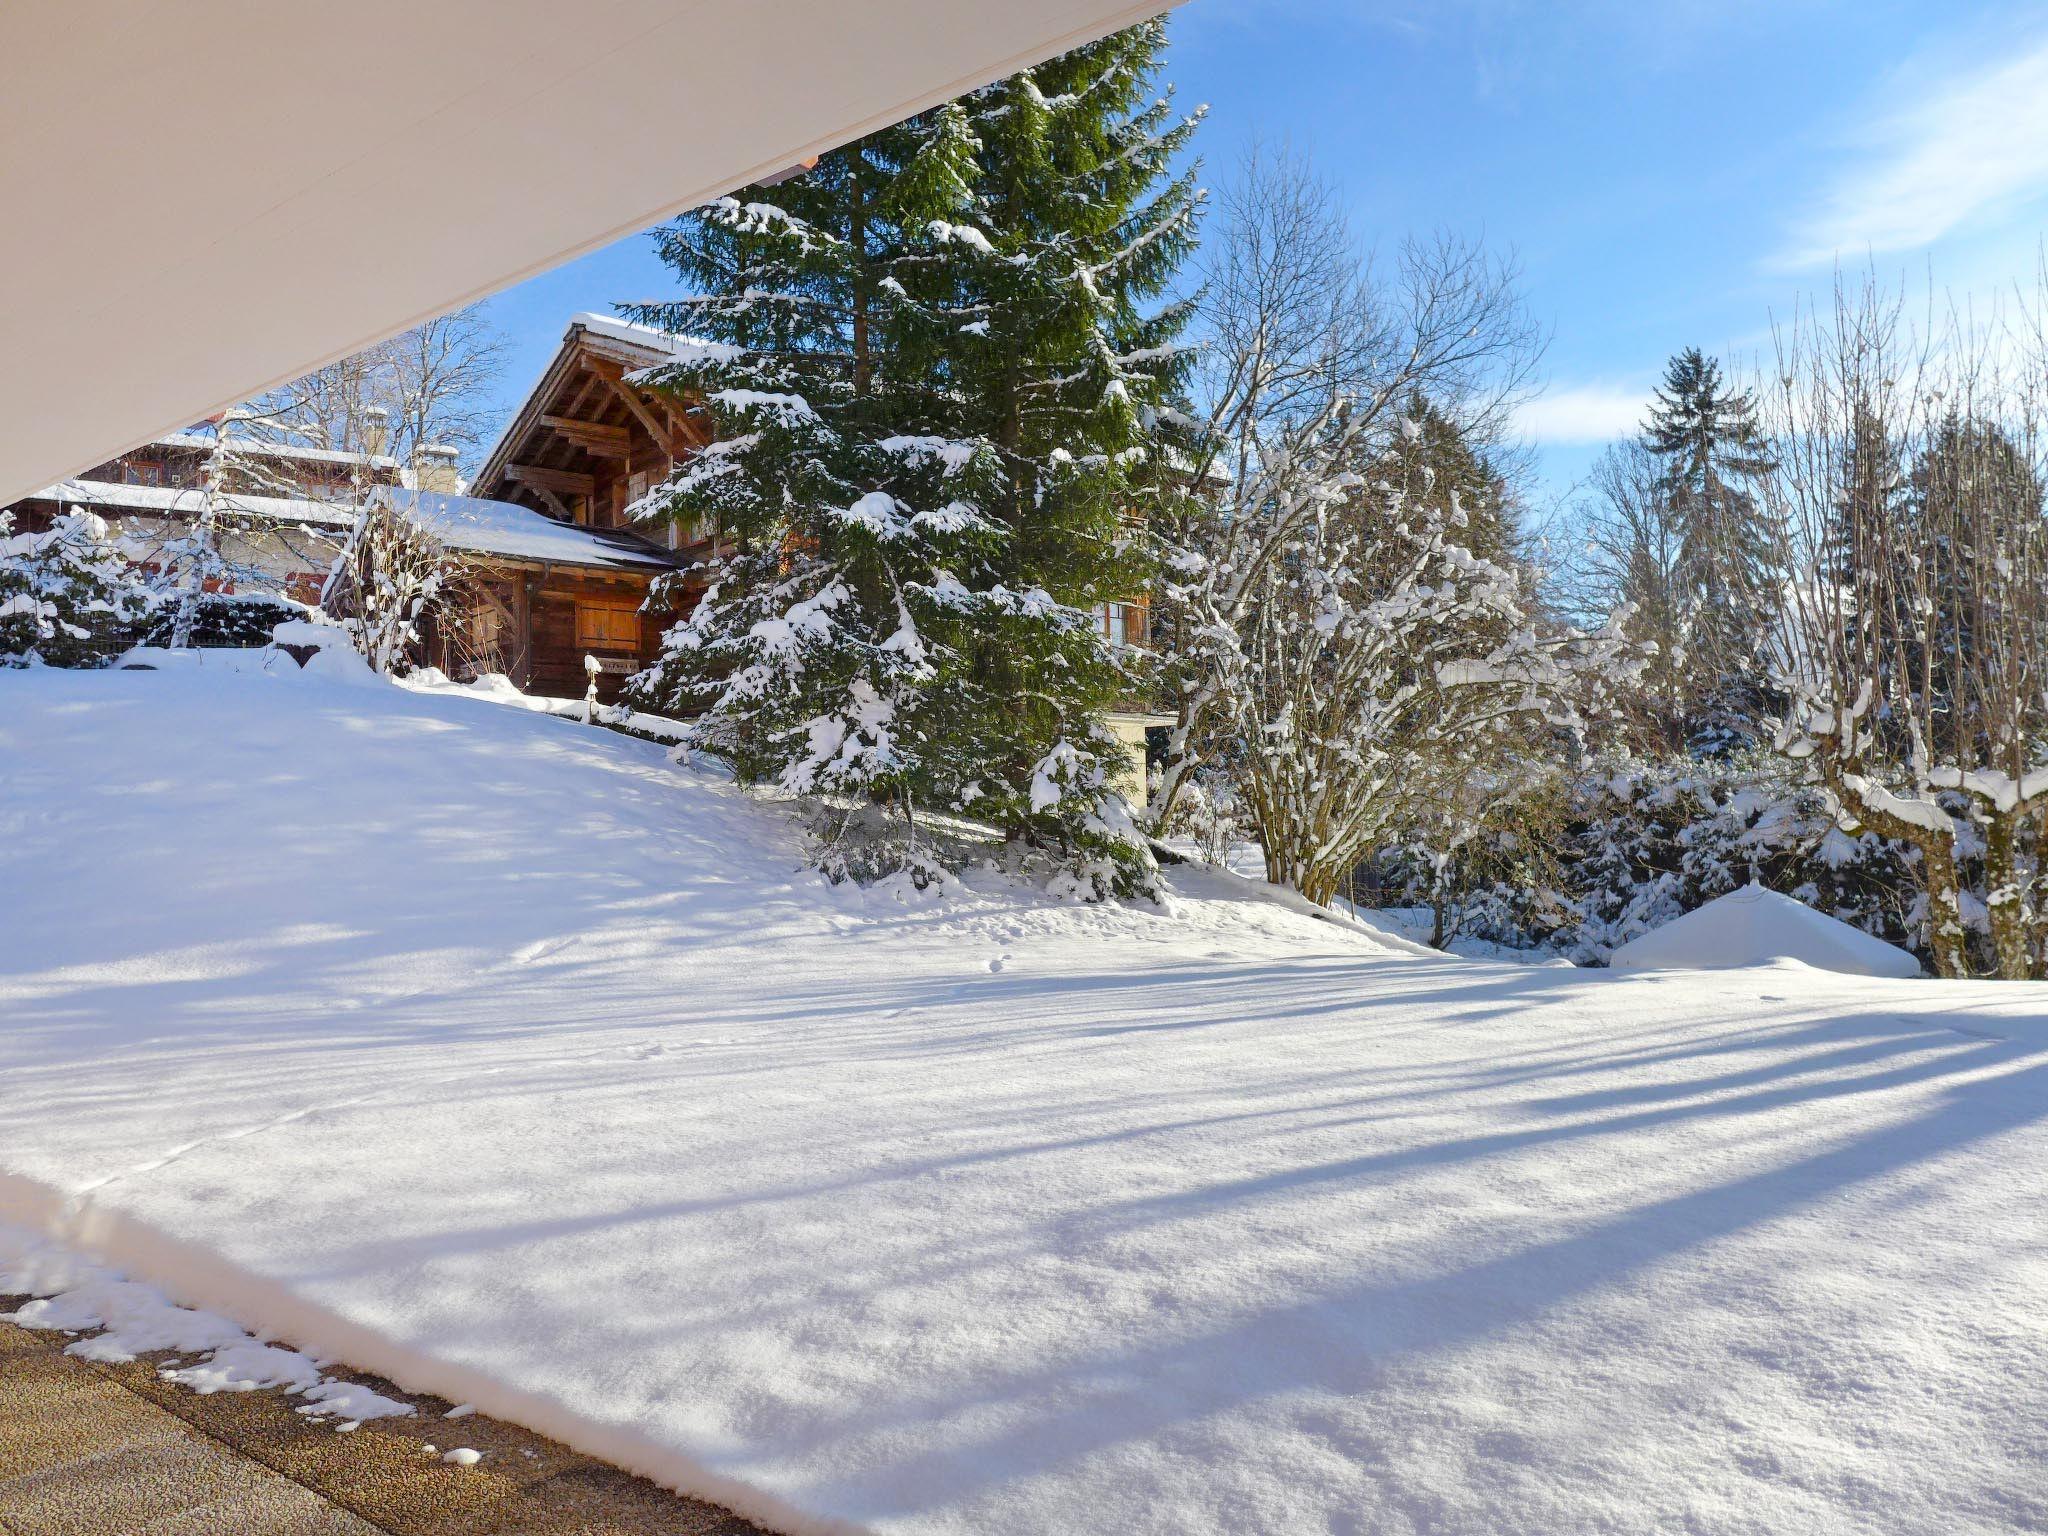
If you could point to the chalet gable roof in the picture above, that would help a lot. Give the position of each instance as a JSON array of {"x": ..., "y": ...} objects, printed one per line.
[{"x": 620, "y": 345}]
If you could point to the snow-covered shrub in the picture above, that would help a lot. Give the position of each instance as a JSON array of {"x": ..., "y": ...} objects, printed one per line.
[
  {"x": 389, "y": 572},
  {"x": 69, "y": 597},
  {"x": 1208, "y": 814},
  {"x": 1587, "y": 865},
  {"x": 223, "y": 620}
]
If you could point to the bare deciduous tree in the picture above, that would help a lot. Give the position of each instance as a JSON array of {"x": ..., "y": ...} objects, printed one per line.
[
  {"x": 1632, "y": 544},
  {"x": 1914, "y": 644},
  {"x": 426, "y": 386},
  {"x": 1335, "y": 642},
  {"x": 388, "y": 573},
  {"x": 423, "y": 389},
  {"x": 1307, "y": 358}
]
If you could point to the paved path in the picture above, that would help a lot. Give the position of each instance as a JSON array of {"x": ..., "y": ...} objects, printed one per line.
[{"x": 88, "y": 1449}]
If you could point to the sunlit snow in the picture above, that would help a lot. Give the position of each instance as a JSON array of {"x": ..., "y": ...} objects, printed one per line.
[{"x": 496, "y": 1055}]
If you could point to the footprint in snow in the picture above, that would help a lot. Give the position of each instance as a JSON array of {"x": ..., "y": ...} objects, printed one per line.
[{"x": 998, "y": 963}]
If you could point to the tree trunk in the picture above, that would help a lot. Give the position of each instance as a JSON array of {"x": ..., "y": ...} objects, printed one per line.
[
  {"x": 1318, "y": 885},
  {"x": 2005, "y": 897},
  {"x": 2037, "y": 909},
  {"x": 1946, "y": 936},
  {"x": 1947, "y": 939},
  {"x": 863, "y": 362}
]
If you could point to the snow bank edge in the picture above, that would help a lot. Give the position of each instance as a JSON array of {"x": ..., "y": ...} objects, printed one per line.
[{"x": 196, "y": 1277}]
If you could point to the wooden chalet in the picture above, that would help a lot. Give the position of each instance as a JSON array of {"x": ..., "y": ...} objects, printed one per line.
[
  {"x": 538, "y": 594},
  {"x": 584, "y": 446},
  {"x": 556, "y": 571}
]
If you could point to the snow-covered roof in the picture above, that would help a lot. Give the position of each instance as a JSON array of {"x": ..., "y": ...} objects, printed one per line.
[
  {"x": 204, "y": 444},
  {"x": 518, "y": 533},
  {"x": 634, "y": 335},
  {"x": 186, "y": 501},
  {"x": 469, "y": 524},
  {"x": 653, "y": 344}
]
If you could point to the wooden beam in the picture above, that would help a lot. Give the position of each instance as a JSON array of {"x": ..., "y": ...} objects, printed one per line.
[
  {"x": 614, "y": 377},
  {"x": 694, "y": 432},
  {"x": 568, "y": 482},
  {"x": 580, "y": 400},
  {"x": 556, "y": 507},
  {"x": 592, "y": 436},
  {"x": 521, "y": 660}
]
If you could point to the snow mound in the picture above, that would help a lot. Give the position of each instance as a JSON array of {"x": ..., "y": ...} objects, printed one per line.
[{"x": 1754, "y": 926}]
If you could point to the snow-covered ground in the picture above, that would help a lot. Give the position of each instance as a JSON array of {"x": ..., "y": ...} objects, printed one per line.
[{"x": 493, "y": 1053}]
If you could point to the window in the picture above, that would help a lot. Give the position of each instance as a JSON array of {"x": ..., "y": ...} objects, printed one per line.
[
  {"x": 141, "y": 472},
  {"x": 1121, "y": 624},
  {"x": 607, "y": 624}
]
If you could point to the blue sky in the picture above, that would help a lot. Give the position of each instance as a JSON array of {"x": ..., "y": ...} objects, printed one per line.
[{"x": 1670, "y": 174}]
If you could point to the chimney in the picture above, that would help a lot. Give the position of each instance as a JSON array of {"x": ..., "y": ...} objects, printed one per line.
[
  {"x": 435, "y": 469},
  {"x": 376, "y": 431}
]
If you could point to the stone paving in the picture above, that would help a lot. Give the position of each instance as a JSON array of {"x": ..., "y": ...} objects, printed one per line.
[{"x": 92, "y": 1449}]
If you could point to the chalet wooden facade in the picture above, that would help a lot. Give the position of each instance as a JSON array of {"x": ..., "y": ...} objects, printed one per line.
[
  {"x": 588, "y": 442},
  {"x": 583, "y": 447},
  {"x": 537, "y": 594}
]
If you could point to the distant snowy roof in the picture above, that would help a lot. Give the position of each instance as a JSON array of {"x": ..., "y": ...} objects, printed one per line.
[
  {"x": 186, "y": 501},
  {"x": 467, "y": 523},
  {"x": 1754, "y": 926},
  {"x": 205, "y": 444}
]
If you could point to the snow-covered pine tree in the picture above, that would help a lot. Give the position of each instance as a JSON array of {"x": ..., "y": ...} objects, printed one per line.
[
  {"x": 853, "y": 551},
  {"x": 1065, "y": 353},
  {"x": 69, "y": 597},
  {"x": 931, "y": 379},
  {"x": 21, "y": 611},
  {"x": 1730, "y": 558}
]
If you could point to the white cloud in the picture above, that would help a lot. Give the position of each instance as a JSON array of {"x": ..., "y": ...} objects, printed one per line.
[
  {"x": 1582, "y": 413},
  {"x": 1973, "y": 146}
]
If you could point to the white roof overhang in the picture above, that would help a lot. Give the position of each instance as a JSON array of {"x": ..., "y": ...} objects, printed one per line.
[{"x": 200, "y": 199}]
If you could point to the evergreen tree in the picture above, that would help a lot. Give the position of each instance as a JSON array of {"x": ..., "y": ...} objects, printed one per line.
[
  {"x": 68, "y": 596},
  {"x": 1870, "y": 497},
  {"x": 1452, "y": 474},
  {"x": 931, "y": 378},
  {"x": 1064, "y": 356},
  {"x": 21, "y": 612},
  {"x": 1706, "y": 436}
]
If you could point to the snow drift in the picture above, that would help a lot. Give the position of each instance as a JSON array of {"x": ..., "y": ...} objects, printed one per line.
[
  {"x": 500, "y": 1056},
  {"x": 1754, "y": 926}
]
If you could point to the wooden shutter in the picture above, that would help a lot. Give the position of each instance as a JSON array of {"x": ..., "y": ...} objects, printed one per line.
[{"x": 607, "y": 624}]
